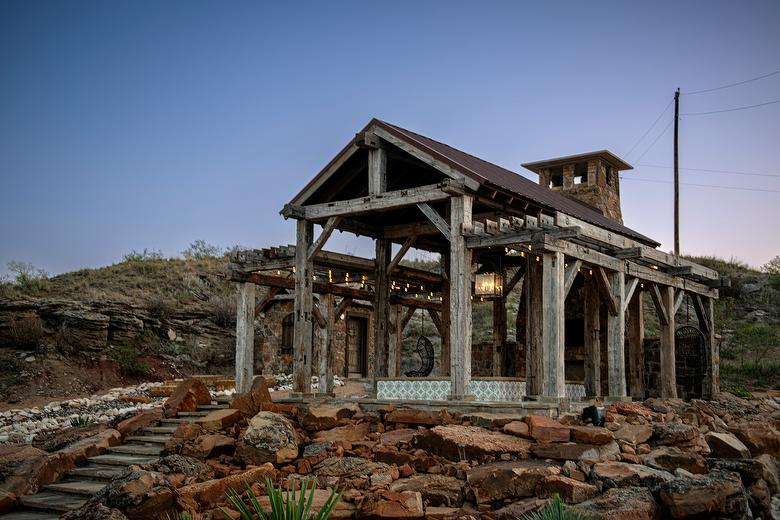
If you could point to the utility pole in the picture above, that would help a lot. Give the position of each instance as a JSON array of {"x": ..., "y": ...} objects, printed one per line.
[{"x": 676, "y": 174}]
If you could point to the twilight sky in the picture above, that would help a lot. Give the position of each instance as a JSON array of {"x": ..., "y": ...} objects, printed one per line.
[{"x": 131, "y": 125}]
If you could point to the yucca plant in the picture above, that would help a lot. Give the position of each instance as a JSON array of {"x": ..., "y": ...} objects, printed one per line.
[
  {"x": 557, "y": 510},
  {"x": 285, "y": 505}
]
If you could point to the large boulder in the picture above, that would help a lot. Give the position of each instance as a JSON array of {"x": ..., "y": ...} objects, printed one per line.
[
  {"x": 94, "y": 512},
  {"x": 219, "y": 419},
  {"x": 726, "y": 446},
  {"x": 502, "y": 480},
  {"x": 760, "y": 437},
  {"x": 544, "y": 429},
  {"x": 396, "y": 505},
  {"x": 623, "y": 474},
  {"x": 719, "y": 494},
  {"x": 186, "y": 397},
  {"x": 570, "y": 490},
  {"x": 670, "y": 458},
  {"x": 24, "y": 469},
  {"x": 336, "y": 471},
  {"x": 399, "y": 437},
  {"x": 436, "y": 490},
  {"x": 591, "y": 435},
  {"x": 572, "y": 451},
  {"x": 139, "y": 421},
  {"x": 270, "y": 437},
  {"x": 348, "y": 433},
  {"x": 419, "y": 417},
  {"x": 211, "y": 492},
  {"x": 327, "y": 417},
  {"x": 258, "y": 399},
  {"x": 457, "y": 442},
  {"x": 633, "y": 433},
  {"x": 179, "y": 470},
  {"x": 669, "y": 434},
  {"x": 209, "y": 445},
  {"x": 140, "y": 495},
  {"x": 630, "y": 503}
]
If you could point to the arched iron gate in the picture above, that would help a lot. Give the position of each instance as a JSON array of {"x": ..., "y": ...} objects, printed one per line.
[{"x": 690, "y": 361}]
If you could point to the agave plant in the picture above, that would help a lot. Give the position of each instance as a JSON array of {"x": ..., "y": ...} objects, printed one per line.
[
  {"x": 556, "y": 510},
  {"x": 285, "y": 505}
]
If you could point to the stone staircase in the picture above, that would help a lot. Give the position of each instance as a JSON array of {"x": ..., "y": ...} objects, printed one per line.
[{"x": 81, "y": 483}]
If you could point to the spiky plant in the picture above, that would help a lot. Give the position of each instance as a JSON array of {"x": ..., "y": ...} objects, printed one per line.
[
  {"x": 557, "y": 510},
  {"x": 285, "y": 505}
]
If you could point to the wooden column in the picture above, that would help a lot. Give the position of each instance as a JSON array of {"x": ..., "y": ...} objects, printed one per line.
[
  {"x": 245, "y": 337},
  {"x": 302, "y": 332},
  {"x": 534, "y": 325},
  {"x": 592, "y": 339},
  {"x": 460, "y": 299},
  {"x": 714, "y": 348},
  {"x": 444, "y": 362},
  {"x": 499, "y": 334},
  {"x": 552, "y": 310},
  {"x": 395, "y": 340},
  {"x": 616, "y": 338},
  {"x": 327, "y": 351},
  {"x": 668, "y": 375},
  {"x": 377, "y": 166},
  {"x": 381, "y": 308},
  {"x": 636, "y": 346}
]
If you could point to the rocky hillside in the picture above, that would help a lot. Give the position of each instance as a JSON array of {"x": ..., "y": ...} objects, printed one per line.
[{"x": 142, "y": 319}]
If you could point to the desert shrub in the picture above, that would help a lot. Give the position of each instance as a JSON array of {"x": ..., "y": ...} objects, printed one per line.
[
  {"x": 557, "y": 510},
  {"x": 761, "y": 374},
  {"x": 285, "y": 505},
  {"x": 223, "y": 310},
  {"x": 200, "y": 249},
  {"x": 159, "y": 307},
  {"x": 27, "y": 277},
  {"x": 26, "y": 332},
  {"x": 79, "y": 421},
  {"x": 737, "y": 390},
  {"x": 127, "y": 357},
  {"x": 772, "y": 268},
  {"x": 142, "y": 256}
]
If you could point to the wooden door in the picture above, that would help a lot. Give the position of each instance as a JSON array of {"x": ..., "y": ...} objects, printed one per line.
[{"x": 357, "y": 346}]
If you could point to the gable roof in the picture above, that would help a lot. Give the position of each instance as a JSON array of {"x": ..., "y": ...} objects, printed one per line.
[{"x": 487, "y": 173}]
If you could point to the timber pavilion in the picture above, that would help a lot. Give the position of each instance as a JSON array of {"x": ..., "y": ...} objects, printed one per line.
[{"x": 560, "y": 243}]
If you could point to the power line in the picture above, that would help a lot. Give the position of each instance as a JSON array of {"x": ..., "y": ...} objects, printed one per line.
[
  {"x": 655, "y": 140},
  {"x": 731, "y": 84},
  {"x": 730, "y": 172},
  {"x": 740, "y": 188},
  {"x": 731, "y": 109},
  {"x": 651, "y": 127}
]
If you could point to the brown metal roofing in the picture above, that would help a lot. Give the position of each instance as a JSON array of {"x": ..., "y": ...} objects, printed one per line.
[{"x": 488, "y": 173}]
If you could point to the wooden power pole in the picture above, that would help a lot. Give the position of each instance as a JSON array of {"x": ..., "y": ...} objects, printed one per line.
[{"x": 676, "y": 174}]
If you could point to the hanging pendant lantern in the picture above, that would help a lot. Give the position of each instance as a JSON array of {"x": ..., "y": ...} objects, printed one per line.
[{"x": 488, "y": 282}]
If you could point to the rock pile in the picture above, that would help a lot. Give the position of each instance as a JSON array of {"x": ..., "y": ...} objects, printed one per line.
[{"x": 651, "y": 460}]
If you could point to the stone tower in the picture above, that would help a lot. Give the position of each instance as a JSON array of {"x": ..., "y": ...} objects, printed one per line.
[{"x": 592, "y": 178}]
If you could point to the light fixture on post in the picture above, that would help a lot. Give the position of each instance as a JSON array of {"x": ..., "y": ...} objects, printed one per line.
[{"x": 488, "y": 282}]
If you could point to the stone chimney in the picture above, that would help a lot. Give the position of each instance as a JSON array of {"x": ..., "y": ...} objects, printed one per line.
[{"x": 591, "y": 178}]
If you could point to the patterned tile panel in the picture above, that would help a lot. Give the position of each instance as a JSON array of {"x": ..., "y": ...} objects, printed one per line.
[{"x": 484, "y": 390}]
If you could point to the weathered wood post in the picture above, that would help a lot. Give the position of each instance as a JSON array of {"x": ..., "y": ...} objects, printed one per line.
[
  {"x": 460, "y": 299},
  {"x": 714, "y": 348},
  {"x": 616, "y": 337},
  {"x": 304, "y": 301},
  {"x": 245, "y": 337},
  {"x": 327, "y": 354},
  {"x": 534, "y": 326},
  {"x": 444, "y": 362},
  {"x": 552, "y": 310},
  {"x": 499, "y": 333},
  {"x": 636, "y": 346},
  {"x": 592, "y": 339},
  {"x": 381, "y": 309},
  {"x": 395, "y": 341},
  {"x": 668, "y": 375}
]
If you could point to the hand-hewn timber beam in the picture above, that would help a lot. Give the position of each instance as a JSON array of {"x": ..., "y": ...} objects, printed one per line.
[
  {"x": 528, "y": 236},
  {"x": 377, "y": 170},
  {"x": 406, "y": 319},
  {"x": 321, "y": 321},
  {"x": 512, "y": 282},
  {"x": 631, "y": 286},
  {"x": 419, "y": 303},
  {"x": 289, "y": 283},
  {"x": 436, "y": 219},
  {"x": 701, "y": 313},
  {"x": 678, "y": 299},
  {"x": 327, "y": 230},
  {"x": 655, "y": 276},
  {"x": 400, "y": 254},
  {"x": 325, "y": 174},
  {"x": 605, "y": 288},
  {"x": 569, "y": 275},
  {"x": 388, "y": 200},
  {"x": 267, "y": 299},
  {"x": 436, "y": 321},
  {"x": 342, "y": 306},
  {"x": 660, "y": 310}
]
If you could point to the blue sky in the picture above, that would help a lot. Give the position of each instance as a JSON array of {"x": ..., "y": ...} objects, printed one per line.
[{"x": 132, "y": 125}]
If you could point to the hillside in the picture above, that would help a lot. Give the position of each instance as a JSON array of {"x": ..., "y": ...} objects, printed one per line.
[{"x": 153, "y": 318}]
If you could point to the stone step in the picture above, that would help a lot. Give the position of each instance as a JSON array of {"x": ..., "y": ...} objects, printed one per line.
[
  {"x": 29, "y": 515},
  {"x": 76, "y": 487},
  {"x": 155, "y": 430},
  {"x": 52, "y": 501},
  {"x": 135, "y": 449},
  {"x": 119, "y": 459},
  {"x": 176, "y": 421},
  {"x": 95, "y": 472},
  {"x": 212, "y": 407},
  {"x": 148, "y": 439},
  {"x": 203, "y": 413}
]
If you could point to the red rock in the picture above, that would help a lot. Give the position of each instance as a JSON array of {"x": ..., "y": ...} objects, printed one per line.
[
  {"x": 573, "y": 451},
  {"x": 634, "y": 433},
  {"x": 622, "y": 474},
  {"x": 7, "y": 501},
  {"x": 591, "y": 435},
  {"x": 630, "y": 503},
  {"x": 421, "y": 417},
  {"x": 208, "y": 446},
  {"x": 626, "y": 408},
  {"x": 708, "y": 496},
  {"x": 327, "y": 417},
  {"x": 502, "y": 480},
  {"x": 520, "y": 509},
  {"x": 544, "y": 429},
  {"x": 349, "y": 433},
  {"x": 436, "y": 490},
  {"x": 670, "y": 458},
  {"x": 517, "y": 428},
  {"x": 213, "y": 491},
  {"x": 668, "y": 434},
  {"x": 571, "y": 491},
  {"x": 258, "y": 399},
  {"x": 760, "y": 437},
  {"x": 391, "y": 505},
  {"x": 219, "y": 419},
  {"x": 270, "y": 437},
  {"x": 138, "y": 422},
  {"x": 457, "y": 442},
  {"x": 396, "y": 437},
  {"x": 726, "y": 446},
  {"x": 188, "y": 395}
]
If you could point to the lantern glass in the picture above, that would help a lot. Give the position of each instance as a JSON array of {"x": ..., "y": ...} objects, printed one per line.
[{"x": 488, "y": 285}]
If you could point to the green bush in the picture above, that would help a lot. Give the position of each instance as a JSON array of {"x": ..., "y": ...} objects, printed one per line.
[
  {"x": 142, "y": 256},
  {"x": 127, "y": 356},
  {"x": 27, "y": 277},
  {"x": 737, "y": 390},
  {"x": 201, "y": 249},
  {"x": 285, "y": 505},
  {"x": 557, "y": 510}
]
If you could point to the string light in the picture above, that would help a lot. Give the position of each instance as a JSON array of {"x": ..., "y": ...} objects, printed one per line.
[{"x": 590, "y": 272}]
